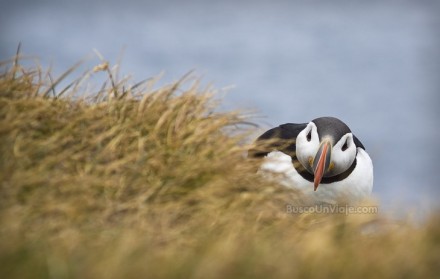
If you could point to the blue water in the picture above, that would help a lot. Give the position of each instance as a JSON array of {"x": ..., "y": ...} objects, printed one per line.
[{"x": 373, "y": 64}]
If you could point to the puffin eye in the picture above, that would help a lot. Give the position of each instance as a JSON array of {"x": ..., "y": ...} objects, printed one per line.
[
  {"x": 345, "y": 146},
  {"x": 309, "y": 135}
]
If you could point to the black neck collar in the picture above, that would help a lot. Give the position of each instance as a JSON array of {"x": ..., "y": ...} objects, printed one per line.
[{"x": 325, "y": 180}]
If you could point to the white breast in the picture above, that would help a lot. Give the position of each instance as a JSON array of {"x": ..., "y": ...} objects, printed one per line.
[{"x": 357, "y": 186}]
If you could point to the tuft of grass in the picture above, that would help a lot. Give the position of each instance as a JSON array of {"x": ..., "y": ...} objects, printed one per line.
[{"x": 134, "y": 181}]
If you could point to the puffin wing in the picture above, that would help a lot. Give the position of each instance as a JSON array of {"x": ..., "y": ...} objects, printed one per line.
[{"x": 281, "y": 138}]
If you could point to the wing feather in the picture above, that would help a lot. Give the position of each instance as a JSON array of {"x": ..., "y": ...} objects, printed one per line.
[{"x": 281, "y": 138}]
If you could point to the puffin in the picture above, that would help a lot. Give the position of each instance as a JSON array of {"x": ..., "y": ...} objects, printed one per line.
[{"x": 322, "y": 159}]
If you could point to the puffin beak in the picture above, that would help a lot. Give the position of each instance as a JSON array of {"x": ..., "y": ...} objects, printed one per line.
[{"x": 321, "y": 162}]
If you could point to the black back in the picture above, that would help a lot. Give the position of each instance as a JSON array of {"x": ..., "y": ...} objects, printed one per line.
[{"x": 282, "y": 138}]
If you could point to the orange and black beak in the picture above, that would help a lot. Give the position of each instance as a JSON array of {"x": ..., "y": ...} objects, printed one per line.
[{"x": 321, "y": 163}]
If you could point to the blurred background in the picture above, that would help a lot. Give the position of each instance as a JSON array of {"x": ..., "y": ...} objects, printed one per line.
[{"x": 373, "y": 64}]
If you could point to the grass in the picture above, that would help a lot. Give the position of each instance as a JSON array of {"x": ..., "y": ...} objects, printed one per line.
[{"x": 145, "y": 182}]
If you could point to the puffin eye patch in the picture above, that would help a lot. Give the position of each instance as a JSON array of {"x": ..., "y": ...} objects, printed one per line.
[
  {"x": 345, "y": 146},
  {"x": 309, "y": 135}
]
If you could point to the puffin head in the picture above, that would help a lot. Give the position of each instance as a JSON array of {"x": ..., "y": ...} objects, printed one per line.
[{"x": 325, "y": 147}]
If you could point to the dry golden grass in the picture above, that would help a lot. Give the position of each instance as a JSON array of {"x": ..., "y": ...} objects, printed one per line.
[{"x": 153, "y": 183}]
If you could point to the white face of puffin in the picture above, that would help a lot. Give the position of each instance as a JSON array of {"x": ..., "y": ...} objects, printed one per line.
[
  {"x": 324, "y": 158},
  {"x": 307, "y": 145},
  {"x": 343, "y": 155}
]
